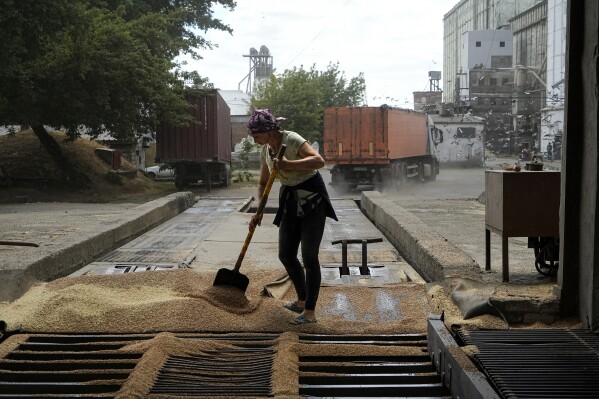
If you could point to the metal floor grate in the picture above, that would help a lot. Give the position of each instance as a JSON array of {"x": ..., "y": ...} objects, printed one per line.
[
  {"x": 143, "y": 256},
  {"x": 69, "y": 366},
  {"x": 92, "y": 365},
  {"x": 540, "y": 363},
  {"x": 369, "y": 376},
  {"x": 238, "y": 372}
]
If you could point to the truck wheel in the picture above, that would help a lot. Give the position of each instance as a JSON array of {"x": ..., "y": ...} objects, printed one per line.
[
  {"x": 180, "y": 176},
  {"x": 434, "y": 174},
  {"x": 179, "y": 182},
  {"x": 395, "y": 179},
  {"x": 226, "y": 182},
  {"x": 421, "y": 177},
  {"x": 208, "y": 178},
  {"x": 403, "y": 175}
]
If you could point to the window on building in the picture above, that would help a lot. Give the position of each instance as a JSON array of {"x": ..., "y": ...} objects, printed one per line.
[
  {"x": 504, "y": 81},
  {"x": 466, "y": 133},
  {"x": 493, "y": 82},
  {"x": 501, "y": 44},
  {"x": 478, "y": 44}
]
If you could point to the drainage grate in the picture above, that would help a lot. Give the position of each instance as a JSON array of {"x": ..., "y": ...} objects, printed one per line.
[
  {"x": 69, "y": 366},
  {"x": 92, "y": 365},
  {"x": 235, "y": 372},
  {"x": 543, "y": 363},
  {"x": 132, "y": 268},
  {"x": 369, "y": 376},
  {"x": 143, "y": 256}
]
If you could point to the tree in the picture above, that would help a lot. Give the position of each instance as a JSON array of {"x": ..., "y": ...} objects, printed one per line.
[
  {"x": 246, "y": 147},
  {"x": 99, "y": 65},
  {"x": 302, "y": 95}
]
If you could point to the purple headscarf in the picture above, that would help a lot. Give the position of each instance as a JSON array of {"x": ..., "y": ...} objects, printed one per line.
[{"x": 262, "y": 120}]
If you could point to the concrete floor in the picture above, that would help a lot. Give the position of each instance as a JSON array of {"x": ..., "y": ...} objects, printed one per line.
[{"x": 448, "y": 206}]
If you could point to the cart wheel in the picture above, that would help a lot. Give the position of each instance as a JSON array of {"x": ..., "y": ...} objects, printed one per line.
[{"x": 545, "y": 267}]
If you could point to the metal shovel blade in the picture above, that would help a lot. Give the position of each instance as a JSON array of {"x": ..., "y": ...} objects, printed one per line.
[{"x": 232, "y": 278}]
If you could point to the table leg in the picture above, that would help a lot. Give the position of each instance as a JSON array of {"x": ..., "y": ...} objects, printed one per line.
[
  {"x": 487, "y": 249},
  {"x": 504, "y": 258}
]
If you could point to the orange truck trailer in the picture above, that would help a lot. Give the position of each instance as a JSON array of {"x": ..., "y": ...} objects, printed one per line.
[{"x": 379, "y": 146}]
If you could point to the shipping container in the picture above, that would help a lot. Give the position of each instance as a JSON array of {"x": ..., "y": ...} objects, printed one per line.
[
  {"x": 200, "y": 151},
  {"x": 379, "y": 146}
]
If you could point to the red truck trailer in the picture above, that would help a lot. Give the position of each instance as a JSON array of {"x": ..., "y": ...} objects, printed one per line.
[
  {"x": 379, "y": 146},
  {"x": 202, "y": 150}
]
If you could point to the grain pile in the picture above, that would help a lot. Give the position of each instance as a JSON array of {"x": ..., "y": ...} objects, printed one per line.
[
  {"x": 531, "y": 291},
  {"x": 186, "y": 300}
]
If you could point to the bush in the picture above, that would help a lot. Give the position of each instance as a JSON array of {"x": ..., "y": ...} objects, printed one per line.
[{"x": 244, "y": 175}]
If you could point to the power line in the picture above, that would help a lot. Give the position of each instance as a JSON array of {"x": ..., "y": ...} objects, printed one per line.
[{"x": 315, "y": 37}]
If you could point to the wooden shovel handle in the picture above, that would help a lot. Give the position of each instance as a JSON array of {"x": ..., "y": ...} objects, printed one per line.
[{"x": 261, "y": 206}]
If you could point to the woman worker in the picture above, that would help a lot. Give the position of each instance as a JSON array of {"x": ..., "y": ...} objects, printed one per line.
[{"x": 304, "y": 205}]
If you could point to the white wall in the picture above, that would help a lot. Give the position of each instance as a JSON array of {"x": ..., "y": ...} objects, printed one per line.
[
  {"x": 459, "y": 151},
  {"x": 490, "y": 41}
]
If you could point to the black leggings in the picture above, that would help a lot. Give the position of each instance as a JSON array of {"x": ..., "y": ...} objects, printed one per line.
[{"x": 307, "y": 231}]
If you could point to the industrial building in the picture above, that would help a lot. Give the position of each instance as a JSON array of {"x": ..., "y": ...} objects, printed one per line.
[
  {"x": 467, "y": 16},
  {"x": 496, "y": 63}
]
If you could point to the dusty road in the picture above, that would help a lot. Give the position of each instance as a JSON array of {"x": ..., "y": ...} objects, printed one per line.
[{"x": 453, "y": 205}]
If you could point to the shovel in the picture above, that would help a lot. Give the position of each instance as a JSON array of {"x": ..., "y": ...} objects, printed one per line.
[{"x": 233, "y": 277}]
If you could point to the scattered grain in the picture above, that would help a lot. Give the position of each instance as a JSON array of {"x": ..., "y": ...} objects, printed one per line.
[
  {"x": 462, "y": 358},
  {"x": 286, "y": 366},
  {"x": 12, "y": 343}
]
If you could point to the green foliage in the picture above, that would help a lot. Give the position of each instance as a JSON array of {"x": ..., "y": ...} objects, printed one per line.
[
  {"x": 302, "y": 95},
  {"x": 246, "y": 148},
  {"x": 108, "y": 65},
  {"x": 244, "y": 175}
]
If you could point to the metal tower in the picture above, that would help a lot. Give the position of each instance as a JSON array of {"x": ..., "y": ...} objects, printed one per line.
[
  {"x": 434, "y": 77},
  {"x": 260, "y": 68}
]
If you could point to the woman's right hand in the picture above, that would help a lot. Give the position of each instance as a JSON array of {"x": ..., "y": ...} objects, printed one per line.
[{"x": 255, "y": 221}]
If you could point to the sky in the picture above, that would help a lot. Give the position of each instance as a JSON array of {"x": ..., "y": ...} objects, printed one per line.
[{"x": 393, "y": 43}]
